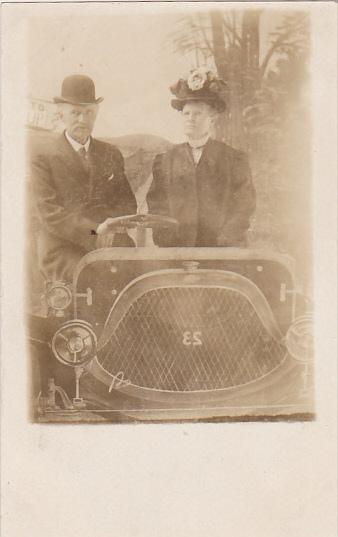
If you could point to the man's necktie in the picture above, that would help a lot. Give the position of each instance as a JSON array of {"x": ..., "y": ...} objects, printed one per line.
[{"x": 84, "y": 158}]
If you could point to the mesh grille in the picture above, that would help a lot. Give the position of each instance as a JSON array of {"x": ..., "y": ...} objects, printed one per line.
[{"x": 225, "y": 342}]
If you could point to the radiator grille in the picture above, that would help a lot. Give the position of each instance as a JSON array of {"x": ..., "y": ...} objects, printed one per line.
[{"x": 187, "y": 339}]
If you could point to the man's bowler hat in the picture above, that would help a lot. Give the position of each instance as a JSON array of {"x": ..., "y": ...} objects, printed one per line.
[{"x": 78, "y": 89}]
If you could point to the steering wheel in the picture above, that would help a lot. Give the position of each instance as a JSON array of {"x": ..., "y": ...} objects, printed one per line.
[{"x": 135, "y": 221}]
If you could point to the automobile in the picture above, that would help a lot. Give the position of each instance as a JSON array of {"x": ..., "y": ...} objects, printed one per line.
[{"x": 162, "y": 334}]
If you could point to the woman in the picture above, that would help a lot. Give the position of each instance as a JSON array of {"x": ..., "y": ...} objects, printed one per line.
[{"x": 205, "y": 184}]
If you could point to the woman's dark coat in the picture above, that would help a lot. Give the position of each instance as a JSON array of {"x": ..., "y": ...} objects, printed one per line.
[{"x": 212, "y": 201}]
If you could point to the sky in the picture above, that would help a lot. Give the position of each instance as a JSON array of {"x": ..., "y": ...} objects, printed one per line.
[
  {"x": 128, "y": 55},
  {"x": 125, "y": 55}
]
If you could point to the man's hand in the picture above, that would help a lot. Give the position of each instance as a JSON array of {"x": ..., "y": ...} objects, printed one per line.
[
  {"x": 108, "y": 227},
  {"x": 106, "y": 233}
]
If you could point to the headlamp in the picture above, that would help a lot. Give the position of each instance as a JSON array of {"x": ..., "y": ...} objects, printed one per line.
[
  {"x": 299, "y": 338},
  {"x": 58, "y": 297}
]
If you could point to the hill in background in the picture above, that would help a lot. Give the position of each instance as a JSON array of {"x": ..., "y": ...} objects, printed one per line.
[
  {"x": 128, "y": 144},
  {"x": 131, "y": 143}
]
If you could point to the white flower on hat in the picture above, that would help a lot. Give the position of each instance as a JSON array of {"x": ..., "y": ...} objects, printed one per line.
[{"x": 197, "y": 78}]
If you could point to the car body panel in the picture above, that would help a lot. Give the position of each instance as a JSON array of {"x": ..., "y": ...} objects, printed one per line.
[{"x": 118, "y": 278}]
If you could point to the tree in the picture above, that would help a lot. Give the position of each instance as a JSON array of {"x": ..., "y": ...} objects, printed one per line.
[
  {"x": 230, "y": 42},
  {"x": 267, "y": 114}
]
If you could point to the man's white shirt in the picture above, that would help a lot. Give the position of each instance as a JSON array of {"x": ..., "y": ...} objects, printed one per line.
[{"x": 75, "y": 145}]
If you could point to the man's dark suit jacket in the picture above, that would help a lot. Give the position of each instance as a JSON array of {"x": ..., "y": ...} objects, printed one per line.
[
  {"x": 71, "y": 201},
  {"x": 212, "y": 201}
]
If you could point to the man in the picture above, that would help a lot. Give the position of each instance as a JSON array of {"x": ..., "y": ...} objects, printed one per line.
[
  {"x": 78, "y": 185},
  {"x": 205, "y": 184}
]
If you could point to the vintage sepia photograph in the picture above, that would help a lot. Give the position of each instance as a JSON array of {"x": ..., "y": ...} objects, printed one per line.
[{"x": 169, "y": 221}]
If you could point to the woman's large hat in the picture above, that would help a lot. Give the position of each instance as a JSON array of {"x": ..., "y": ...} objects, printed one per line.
[
  {"x": 78, "y": 89},
  {"x": 200, "y": 85}
]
